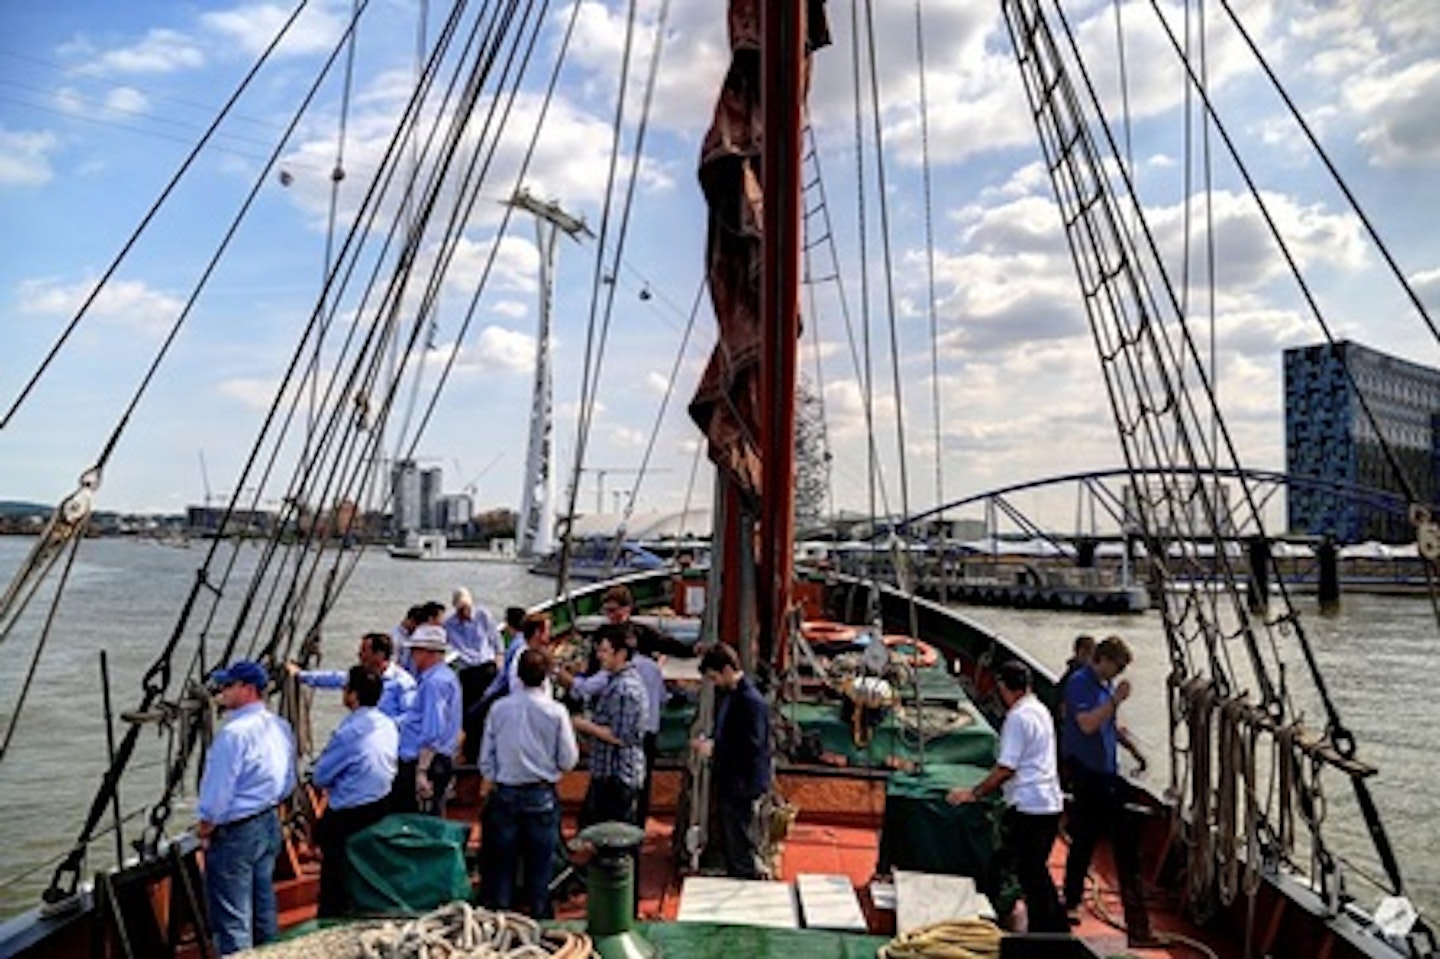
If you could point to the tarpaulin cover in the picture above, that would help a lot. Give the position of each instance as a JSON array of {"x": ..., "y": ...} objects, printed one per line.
[
  {"x": 973, "y": 742},
  {"x": 408, "y": 864},
  {"x": 705, "y": 940},
  {"x": 924, "y": 833}
]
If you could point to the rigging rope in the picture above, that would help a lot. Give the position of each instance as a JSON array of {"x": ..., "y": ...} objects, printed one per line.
[
  {"x": 930, "y": 295},
  {"x": 596, "y": 325}
]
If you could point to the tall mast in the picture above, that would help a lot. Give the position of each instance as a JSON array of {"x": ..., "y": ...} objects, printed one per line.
[
  {"x": 783, "y": 83},
  {"x": 537, "y": 503}
]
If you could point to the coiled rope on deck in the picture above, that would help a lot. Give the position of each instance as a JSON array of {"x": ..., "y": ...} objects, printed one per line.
[
  {"x": 951, "y": 939},
  {"x": 454, "y": 931}
]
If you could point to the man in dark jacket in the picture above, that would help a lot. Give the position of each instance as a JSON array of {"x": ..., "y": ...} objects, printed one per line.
[{"x": 740, "y": 754}]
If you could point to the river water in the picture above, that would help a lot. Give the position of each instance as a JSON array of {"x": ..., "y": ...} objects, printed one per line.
[{"x": 124, "y": 595}]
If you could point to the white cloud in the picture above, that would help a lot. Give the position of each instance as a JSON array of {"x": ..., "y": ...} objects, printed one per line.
[
  {"x": 25, "y": 157},
  {"x": 69, "y": 100},
  {"x": 1427, "y": 287},
  {"x": 657, "y": 383},
  {"x": 252, "y": 28},
  {"x": 1401, "y": 106},
  {"x": 625, "y": 437},
  {"x": 159, "y": 51},
  {"x": 507, "y": 350},
  {"x": 127, "y": 100},
  {"x": 129, "y": 303},
  {"x": 511, "y": 309},
  {"x": 255, "y": 393}
]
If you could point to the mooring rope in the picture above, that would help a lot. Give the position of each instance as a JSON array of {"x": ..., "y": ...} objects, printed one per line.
[{"x": 456, "y": 931}]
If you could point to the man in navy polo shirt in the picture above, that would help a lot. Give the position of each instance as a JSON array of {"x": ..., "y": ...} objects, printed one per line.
[{"x": 1087, "y": 742}]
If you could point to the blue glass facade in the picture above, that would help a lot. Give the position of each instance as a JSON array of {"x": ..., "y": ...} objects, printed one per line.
[{"x": 1327, "y": 434}]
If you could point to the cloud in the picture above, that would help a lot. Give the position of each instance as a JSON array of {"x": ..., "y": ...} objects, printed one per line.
[
  {"x": 507, "y": 350},
  {"x": 252, "y": 28},
  {"x": 625, "y": 437},
  {"x": 657, "y": 383},
  {"x": 160, "y": 51},
  {"x": 511, "y": 309},
  {"x": 255, "y": 393},
  {"x": 129, "y": 303},
  {"x": 25, "y": 157},
  {"x": 126, "y": 100},
  {"x": 1403, "y": 131},
  {"x": 569, "y": 162}
]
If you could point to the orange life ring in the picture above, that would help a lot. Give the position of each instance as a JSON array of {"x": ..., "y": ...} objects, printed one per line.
[
  {"x": 827, "y": 631},
  {"x": 924, "y": 655}
]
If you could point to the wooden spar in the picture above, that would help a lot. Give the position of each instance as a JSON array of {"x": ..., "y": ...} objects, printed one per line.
[{"x": 783, "y": 90}]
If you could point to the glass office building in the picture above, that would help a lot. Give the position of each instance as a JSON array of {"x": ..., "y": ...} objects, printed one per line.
[{"x": 1328, "y": 434}]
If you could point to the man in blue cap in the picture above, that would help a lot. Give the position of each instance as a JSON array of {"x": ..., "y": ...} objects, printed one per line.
[{"x": 249, "y": 770}]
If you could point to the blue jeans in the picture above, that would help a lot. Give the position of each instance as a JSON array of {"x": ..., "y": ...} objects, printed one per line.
[
  {"x": 239, "y": 882},
  {"x": 521, "y": 825}
]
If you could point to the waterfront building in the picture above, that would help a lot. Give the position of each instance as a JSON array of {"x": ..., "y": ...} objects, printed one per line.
[
  {"x": 430, "y": 492},
  {"x": 455, "y": 512},
  {"x": 405, "y": 496},
  {"x": 1328, "y": 388}
]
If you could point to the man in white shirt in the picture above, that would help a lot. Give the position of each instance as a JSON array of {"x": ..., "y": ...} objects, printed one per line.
[{"x": 1026, "y": 772}]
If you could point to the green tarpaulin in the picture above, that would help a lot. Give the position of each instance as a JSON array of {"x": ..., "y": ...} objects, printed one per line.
[
  {"x": 704, "y": 940},
  {"x": 972, "y": 741},
  {"x": 925, "y": 833},
  {"x": 407, "y": 864}
]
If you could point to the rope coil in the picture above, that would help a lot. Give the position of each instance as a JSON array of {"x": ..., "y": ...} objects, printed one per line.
[{"x": 454, "y": 931}]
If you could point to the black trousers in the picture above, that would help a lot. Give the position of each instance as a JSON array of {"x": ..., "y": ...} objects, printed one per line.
[
  {"x": 642, "y": 801},
  {"x": 331, "y": 833},
  {"x": 474, "y": 680},
  {"x": 612, "y": 800},
  {"x": 402, "y": 793},
  {"x": 740, "y": 828},
  {"x": 1099, "y": 810},
  {"x": 1029, "y": 838}
]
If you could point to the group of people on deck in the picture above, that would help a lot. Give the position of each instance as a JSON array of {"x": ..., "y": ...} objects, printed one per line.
[
  {"x": 1033, "y": 775},
  {"x": 411, "y": 718}
]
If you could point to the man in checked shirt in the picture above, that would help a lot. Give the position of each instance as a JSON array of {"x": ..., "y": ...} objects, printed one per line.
[{"x": 617, "y": 728}]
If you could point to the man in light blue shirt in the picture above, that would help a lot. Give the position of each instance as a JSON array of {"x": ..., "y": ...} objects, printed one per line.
[
  {"x": 376, "y": 654},
  {"x": 473, "y": 635},
  {"x": 358, "y": 769},
  {"x": 471, "y": 632},
  {"x": 430, "y": 733},
  {"x": 250, "y": 768},
  {"x": 529, "y": 743}
]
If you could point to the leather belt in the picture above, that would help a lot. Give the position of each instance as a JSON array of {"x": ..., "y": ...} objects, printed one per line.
[{"x": 244, "y": 819}]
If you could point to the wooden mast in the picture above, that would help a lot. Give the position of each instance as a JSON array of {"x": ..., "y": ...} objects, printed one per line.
[{"x": 783, "y": 91}]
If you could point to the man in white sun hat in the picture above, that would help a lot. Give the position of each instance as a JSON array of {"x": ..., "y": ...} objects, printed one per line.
[{"x": 430, "y": 732}]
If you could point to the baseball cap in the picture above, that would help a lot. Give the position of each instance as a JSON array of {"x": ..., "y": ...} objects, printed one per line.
[{"x": 245, "y": 671}]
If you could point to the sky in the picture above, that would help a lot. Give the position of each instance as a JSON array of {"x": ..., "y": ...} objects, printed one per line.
[{"x": 101, "y": 100}]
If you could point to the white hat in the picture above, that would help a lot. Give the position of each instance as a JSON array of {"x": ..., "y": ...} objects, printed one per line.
[
  {"x": 461, "y": 598},
  {"x": 428, "y": 636}
]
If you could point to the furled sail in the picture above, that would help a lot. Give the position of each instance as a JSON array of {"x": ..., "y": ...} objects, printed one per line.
[{"x": 726, "y": 405}]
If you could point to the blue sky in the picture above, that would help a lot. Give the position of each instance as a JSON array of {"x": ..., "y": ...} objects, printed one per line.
[{"x": 100, "y": 100}]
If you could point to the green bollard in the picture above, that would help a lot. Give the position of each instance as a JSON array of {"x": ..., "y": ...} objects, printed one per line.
[{"x": 610, "y": 891}]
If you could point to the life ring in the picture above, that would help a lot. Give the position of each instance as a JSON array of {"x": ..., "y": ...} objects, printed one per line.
[
  {"x": 822, "y": 631},
  {"x": 915, "y": 651}
]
